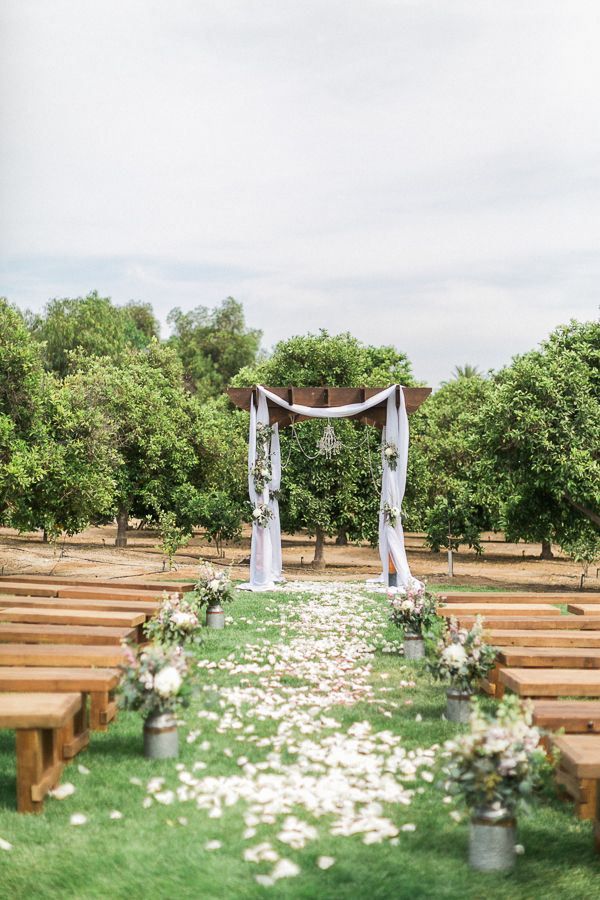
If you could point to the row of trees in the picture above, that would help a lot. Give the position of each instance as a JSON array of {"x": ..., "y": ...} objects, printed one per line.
[{"x": 99, "y": 420}]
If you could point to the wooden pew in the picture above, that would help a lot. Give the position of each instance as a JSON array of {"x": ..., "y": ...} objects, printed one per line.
[
  {"x": 59, "y": 616},
  {"x": 579, "y": 772},
  {"x": 68, "y": 581},
  {"x": 61, "y": 655},
  {"x": 90, "y": 593},
  {"x": 541, "y": 658},
  {"x": 39, "y": 721},
  {"x": 492, "y": 610},
  {"x": 531, "y": 637},
  {"x": 545, "y": 682},
  {"x": 98, "y": 683},
  {"x": 135, "y": 606},
  {"x": 25, "y": 633},
  {"x": 558, "y": 623},
  {"x": 516, "y": 597}
]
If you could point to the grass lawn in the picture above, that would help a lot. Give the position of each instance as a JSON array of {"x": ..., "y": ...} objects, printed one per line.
[{"x": 158, "y": 850}]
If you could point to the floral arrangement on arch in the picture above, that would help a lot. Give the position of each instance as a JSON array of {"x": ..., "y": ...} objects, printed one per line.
[
  {"x": 461, "y": 656},
  {"x": 213, "y": 586},
  {"x": 500, "y": 762},
  {"x": 261, "y": 470},
  {"x": 262, "y": 515},
  {"x": 413, "y": 608},
  {"x": 154, "y": 681},
  {"x": 390, "y": 452},
  {"x": 391, "y": 514},
  {"x": 175, "y": 623}
]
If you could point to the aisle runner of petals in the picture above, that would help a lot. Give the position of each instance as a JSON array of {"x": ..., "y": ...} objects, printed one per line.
[{"x": 309, "y": 762}]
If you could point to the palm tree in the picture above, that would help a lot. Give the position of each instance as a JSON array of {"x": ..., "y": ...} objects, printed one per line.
[{"x": 466, "y": 371}]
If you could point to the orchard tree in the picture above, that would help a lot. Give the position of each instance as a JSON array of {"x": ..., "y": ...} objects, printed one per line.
[
  {"x": 341, "y": 494},
  {"x": 213, "y": 345},
  {"x": 541, "y": 439},
  {"x": 91, "y": 325}
]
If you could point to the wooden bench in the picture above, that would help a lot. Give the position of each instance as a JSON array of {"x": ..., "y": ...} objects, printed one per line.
[
  {"x": 100, "y": 684},
  {"x": 541, "y": 657},
  {"x": 39, "y": 721},
  {"x": 539, "y": 638},
  {"x": 552, "y": 682},
  {"x": 516, "y": 597},
  {"x": 24, "y": 633},
  {"x": 85, "y": 593},
  {"x": 134, "y": 606},
  {"x": 61, "y": 655},
  {"x": 558, "y": 623},
  {"x": 491, "y": 610},
  {"x": 578, "y": 773},
  {"x": 35, "y": 616},
  {"x": 583, "y": 609},
  {"x": 149, "y": 586},
  {"x": 574, "y": 716}
]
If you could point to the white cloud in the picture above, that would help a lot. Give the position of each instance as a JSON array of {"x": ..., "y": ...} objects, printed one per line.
[{"x": 418, "y": 172}]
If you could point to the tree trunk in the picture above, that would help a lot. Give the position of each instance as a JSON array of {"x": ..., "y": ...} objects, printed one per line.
[
  {"x": 546, "y": 550},
  {"x": 584, "y": 510},
  {"x": 44, "y": 536},
  {"x": 122, "y": 522},
  {"x": 342, "y": 539},
  {"x": 319, "y": 562}
]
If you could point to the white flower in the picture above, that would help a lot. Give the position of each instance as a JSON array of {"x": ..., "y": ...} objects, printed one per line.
[
  {"x": 212, "y": 845},
  {"x": 326, "y": 862},
  {"x": 78, "y": 819},
  {"x": 83, "y": 770},
  {"x": 115, "y": 814},
  {"x": 257, "y": 512},
  {"x": 519, "y": 849},
  {"x": 454, "y": 656},
  {"x": 215, "y": 584},
  {"x": 62, "y": 791},
  {"x": 389, "y": 451},
  {"x": 285, "y": 868},
  {"x": 167, "y": 682},
  {"x": 5, "y": 845}
]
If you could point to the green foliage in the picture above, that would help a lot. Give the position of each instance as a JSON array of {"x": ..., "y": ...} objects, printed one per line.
[
  {"x": 541, "y": 440},
  {"x": 92, "y": 326},
  {"x": 319, "y": 495},
  {"x": 213, "y": 345},
  {"x": 175, "y": 624},
  {"x": 155, "y": 680},
  {"x": 460, "y": 656},
  {"x": 173, "y": 537},
  {"x": 454, "y": 520}
]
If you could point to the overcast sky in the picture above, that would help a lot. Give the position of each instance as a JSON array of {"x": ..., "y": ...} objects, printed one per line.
[{"x": 420, "y": 173}]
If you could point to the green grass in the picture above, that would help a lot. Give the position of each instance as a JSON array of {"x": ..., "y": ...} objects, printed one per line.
[{"x": 148, "y": 854}]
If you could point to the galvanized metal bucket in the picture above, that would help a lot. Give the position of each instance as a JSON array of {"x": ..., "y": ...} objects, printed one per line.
[
  {"x": 458, "y": 706},
  {"x": 414, "y": 646},
  {"x": 161, "y": 739},
  {"x": 215, "y": 616},
  {"x": 492, "y": 840}
]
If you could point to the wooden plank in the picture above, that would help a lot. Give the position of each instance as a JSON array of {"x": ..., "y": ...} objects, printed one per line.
[
  {"x": 545, "y": 657},
  {"x": 25, "y": 633},
  {"x": 39, "y": 710},
  {"x": 60, "y": 655},
  {"x": 580, "y": 754},
  {"x": 99, "y": 593},
  {"x": 72, "y": 617},
  {"x": 59, "y": 679},
  {"x": 583, "y": 609},
  {"x": 519, "y": 597},
  {"x": 498, "y": 609},
  {"x": 28, "y": 590},
  {"x": 68, "y": 581},
  {"x": 555, "y": 623},
  {"x": 543, "y": 638},
  {"x": 575, "y": 716},
  {"x": 134, "y": 606},
  {"x": 545, "y": 682}
]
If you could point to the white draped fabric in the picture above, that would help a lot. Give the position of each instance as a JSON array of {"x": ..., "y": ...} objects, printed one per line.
[{"x": 265, "y": 559}]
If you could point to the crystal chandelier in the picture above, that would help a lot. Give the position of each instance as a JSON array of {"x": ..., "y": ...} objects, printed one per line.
[{"x": 329, "y": 445}]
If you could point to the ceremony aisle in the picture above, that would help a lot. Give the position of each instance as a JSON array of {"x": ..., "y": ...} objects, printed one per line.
[{"x": 307, "y": 769}]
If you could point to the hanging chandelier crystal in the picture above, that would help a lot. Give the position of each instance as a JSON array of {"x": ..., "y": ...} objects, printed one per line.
[{"x": 329, "y": 445}]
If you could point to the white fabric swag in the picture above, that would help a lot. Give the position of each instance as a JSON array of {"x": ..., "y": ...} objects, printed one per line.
[{"x": 265, "y": 559}]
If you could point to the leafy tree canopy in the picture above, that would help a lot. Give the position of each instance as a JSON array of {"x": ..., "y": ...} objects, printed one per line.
[
  {"x": 91, "y": 325},
  {"x": 213, "y": 345}
]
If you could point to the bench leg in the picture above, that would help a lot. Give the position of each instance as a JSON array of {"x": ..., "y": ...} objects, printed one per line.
[
  {"x": 39, "y": 766},
  {"x": 597, "y": 820},
  {"x": 75, "y": 736},
  {"x": 103, "y": 709}
]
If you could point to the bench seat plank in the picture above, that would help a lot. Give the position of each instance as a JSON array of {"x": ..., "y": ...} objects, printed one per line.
[
  {"x": 500, "y": 609},
  {"x": 135, "y": 606},
  {"x": 37, "y": 710},
  {"x": 583, "y": 609},
  {"x": 60, "y": 655},
  {"x": 559, "y": 623},
  {"x": 519, "y": 597},
  {"x": 552, "y": 682},
  {"x": 575, "y": 716},
  {"x": 67, "y": 581},
  {"x": 554, "y": 657},
  {"x": 58, "y": 616},
  {"x": 25, "y": 633},
  {"x": 529, "y": 637}
]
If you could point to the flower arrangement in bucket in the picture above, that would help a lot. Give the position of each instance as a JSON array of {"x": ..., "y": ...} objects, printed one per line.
[
  {"x": 155, "y": 683},
  {"x": 496, "y": 767},
  {"x": 462, "y": 658},
  {"x": 414, "y": 610},
  {"x": 176, "y": 623},
  {"x": 212, "y": 589}
]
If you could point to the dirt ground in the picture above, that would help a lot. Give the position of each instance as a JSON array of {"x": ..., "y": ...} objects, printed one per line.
[{"x": 93, "y": 554}]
